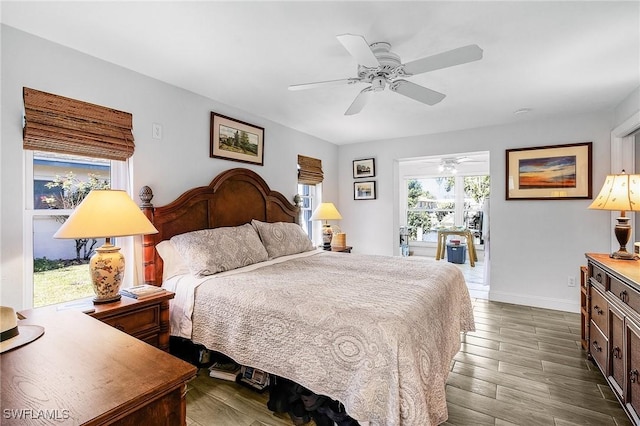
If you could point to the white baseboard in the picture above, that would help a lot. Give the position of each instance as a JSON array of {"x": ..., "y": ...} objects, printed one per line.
[{"x": 536, "y": 301}]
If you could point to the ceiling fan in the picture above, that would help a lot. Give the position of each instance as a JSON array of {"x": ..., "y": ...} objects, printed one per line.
[
  {"x": 450, "y": 164},
  {"x": 380, "y": 67}
]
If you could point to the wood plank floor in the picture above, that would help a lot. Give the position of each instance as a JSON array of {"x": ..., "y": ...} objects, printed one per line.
[{"x": 522, "y": 366}]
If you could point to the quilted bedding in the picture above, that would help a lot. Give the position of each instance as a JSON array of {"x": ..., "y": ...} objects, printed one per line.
[{"x": 377, "y": 333}]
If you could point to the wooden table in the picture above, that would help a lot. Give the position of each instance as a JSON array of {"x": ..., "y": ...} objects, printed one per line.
[
  {"x": 84, "y": 372},
  {"x": 442, "y": 242}
]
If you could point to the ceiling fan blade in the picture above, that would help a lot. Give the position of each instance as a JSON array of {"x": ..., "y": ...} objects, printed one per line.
[
  {"x": 358, "y": 47},
  {"x": 414, "y": 91},
  {"x": 458, "y": 56},
  {"x": 324, "y": 84},
  {"x": 360, "y": 101}
]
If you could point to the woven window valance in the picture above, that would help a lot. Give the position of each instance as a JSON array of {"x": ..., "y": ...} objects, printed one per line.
[
  {"x": 309, "y": 170},
  {"x": 58, "y": 124}
]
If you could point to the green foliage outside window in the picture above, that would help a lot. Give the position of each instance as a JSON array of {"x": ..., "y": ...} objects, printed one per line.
[{"x": 427, "y": 213}]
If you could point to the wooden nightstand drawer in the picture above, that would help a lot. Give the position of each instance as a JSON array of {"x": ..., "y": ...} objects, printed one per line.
[
  {"x": 146, "y": 319},
  {"x": 136, "y": 322}
]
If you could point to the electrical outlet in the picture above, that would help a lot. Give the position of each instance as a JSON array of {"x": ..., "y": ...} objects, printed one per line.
[
  {"x": 571, "y": 281},
  {"x": 156, "y": 131}
]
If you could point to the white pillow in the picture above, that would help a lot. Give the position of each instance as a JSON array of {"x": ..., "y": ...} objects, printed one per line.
[
  {"x": 210, "y": 251},
  {"x": 173, "y": 263},
  {"x": 282, "y": 238}
]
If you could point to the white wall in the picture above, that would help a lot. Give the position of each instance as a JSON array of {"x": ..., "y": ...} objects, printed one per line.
[
  {"x": 170, "y": 166},
  {"x": 629, "y": 106},
  {"x": 535, "y": 245}
]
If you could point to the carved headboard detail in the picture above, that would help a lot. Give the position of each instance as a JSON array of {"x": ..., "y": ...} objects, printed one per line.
[{"x": 233, "y": 198}]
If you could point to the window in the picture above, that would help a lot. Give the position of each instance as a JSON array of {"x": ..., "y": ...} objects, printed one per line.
[
  {"x": 307, "y": 204},
  {"x": 310, "y": 177},
  {"x": 58, "y": 269},
  {"x": 443, "y": 202}
]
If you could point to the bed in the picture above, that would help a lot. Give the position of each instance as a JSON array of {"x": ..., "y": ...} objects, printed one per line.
[{"x": 376, "y": 333}]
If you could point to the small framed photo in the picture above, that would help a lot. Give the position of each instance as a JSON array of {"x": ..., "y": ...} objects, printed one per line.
[
  {"x": 364, "y": 168},
  {"x": 364, "y": 190},
  {"x": 236, "y": 140},
  {"x": 560, "y": 172}
]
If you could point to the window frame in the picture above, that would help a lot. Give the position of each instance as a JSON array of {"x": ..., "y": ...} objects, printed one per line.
[
  {"x": 310, "y": 229},
  {"x": 119, "y": 179}
]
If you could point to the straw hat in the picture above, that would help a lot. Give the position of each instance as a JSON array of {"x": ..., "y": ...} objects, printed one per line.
[{"x": 11, "y": 334}]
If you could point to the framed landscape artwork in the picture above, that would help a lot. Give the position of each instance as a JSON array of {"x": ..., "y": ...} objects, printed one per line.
[
  {"x": 549, "y": 172},
  {"x": 236, "y": 140},
  {"x": 364, "y": 190},
  {"x": 364, "y": 168}
]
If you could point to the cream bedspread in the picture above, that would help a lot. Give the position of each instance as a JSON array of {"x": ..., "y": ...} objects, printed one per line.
[{"x": 377, "y": 333}]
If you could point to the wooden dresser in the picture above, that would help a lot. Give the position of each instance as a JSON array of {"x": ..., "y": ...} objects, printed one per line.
[
  {"x": 84, "y": 372},
  {"x": 611, "y": 323}
]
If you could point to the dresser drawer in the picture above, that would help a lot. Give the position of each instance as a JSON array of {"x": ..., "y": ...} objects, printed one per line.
[
  {"x": 136, "y": 322},
  {"x": 626, "y": 294},
  {"x": 598, "y": 347},
  {"x": 599, "y": 275},
  {"x": 599, "y": 308}
]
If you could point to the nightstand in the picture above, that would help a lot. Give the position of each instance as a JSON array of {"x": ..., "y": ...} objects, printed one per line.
[
  {"x": 145, "y": 319},
  {"x": 346, "y": 249}
]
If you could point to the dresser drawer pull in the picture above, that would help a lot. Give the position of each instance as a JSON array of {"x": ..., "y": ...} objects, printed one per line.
[
  {"x": 617, "y": 353},
  {"x": 597, "y": 310},
  {"x": 633, "y": 376},
  {"x": 598, "y": 347},
  {"x": 599, "y": 277},
  {"x": 624, "y": 296}
]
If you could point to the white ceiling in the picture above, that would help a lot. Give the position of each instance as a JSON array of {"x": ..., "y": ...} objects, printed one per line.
[{"x": 555, "y": 58}]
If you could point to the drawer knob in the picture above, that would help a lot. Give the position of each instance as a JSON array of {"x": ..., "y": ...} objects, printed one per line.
[
  {"x": 599, "y": 277},
  {"x": 598, "y": 347},
  {"x": 597, "y": 310},
  {"x": 624, "y": 296},
  {"x": 633, "y": 376},
  {"x": 617, "y": 353}
]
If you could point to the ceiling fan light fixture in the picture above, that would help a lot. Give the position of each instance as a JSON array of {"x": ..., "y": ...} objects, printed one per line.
[
  {"x": 378, "y": 84},
  {"x": 448, "y": 167},
  {"x": 380, "y": 67}
]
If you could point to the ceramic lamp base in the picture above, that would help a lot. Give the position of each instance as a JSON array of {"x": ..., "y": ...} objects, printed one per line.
[
  {"x": 107, "y": 270},
  {"x": 327, "y": 235}
]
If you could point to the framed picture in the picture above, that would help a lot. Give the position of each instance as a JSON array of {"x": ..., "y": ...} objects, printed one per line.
[
  {"x": 236, "y": 140},
  {"x": 364, "y": 168},
  {"x": 364, "y": 190},
  {"x": 549, "y": 172}
]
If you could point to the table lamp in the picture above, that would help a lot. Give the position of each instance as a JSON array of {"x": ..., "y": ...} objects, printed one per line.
[
  {"x": 106, "y": 213},
  {"x": 326, "y": 212},
  {"x": 620, "y": 192}
]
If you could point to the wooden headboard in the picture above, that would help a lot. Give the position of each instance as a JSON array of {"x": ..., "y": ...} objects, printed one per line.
[{"x": 233, "y": 198}]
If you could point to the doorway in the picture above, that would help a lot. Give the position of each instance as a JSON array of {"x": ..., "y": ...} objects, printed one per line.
[{"x": 448, "y": 192}]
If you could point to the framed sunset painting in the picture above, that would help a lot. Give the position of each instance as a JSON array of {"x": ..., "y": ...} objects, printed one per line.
[{"x": 549, "y": 172}]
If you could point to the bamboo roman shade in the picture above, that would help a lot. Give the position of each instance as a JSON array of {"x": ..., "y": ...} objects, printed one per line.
[
  {"x": 58, "y": 124},
  {"x": 309, "y": 170}
]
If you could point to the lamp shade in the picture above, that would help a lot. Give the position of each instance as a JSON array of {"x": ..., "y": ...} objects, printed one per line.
[
  {"x": 619, "y": 192},
  {"x": 106, "y": 213},
  {"x": 326, "y": 211}
]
